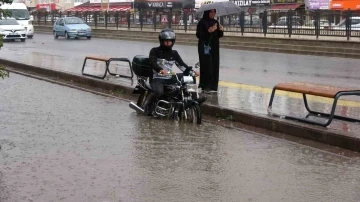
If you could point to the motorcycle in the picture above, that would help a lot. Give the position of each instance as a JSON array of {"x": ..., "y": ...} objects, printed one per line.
[{"x": 179, "y": 101}]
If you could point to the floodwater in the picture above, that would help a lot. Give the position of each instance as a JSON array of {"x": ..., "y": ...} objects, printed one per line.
[{"x": 63, "y": 144}]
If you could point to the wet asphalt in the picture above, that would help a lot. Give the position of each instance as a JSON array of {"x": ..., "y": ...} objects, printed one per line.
[
  {"x": 247, "y": 67},
  {"x": 63, "y": 144}
]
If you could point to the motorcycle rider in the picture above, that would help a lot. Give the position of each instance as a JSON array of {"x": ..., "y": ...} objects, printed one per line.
[{"x": 159, "y": 77}]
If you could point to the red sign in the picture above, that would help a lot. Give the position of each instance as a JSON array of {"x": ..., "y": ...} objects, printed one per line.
[{"x": 47, "y": 7}]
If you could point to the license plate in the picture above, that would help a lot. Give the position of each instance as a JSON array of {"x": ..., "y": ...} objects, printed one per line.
[{"x": 81, "y": 33}]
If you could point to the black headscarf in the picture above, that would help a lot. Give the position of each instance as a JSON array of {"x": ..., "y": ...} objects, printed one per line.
[{"x": 207, "y": 20}]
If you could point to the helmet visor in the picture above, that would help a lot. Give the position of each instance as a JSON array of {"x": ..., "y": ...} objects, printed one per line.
[{"x": 168, "y": 35}]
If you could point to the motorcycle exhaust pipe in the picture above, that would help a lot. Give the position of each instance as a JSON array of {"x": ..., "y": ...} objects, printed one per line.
[{"x": 135, "y": 107}]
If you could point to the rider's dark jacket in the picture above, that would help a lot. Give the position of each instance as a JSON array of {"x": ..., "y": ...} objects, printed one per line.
[{"x": 170, "y": 57}]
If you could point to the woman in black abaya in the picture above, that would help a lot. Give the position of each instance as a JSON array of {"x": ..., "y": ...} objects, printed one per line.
[{"x": 209, "y": 31}]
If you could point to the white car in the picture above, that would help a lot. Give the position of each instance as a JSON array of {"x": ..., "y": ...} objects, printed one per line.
[
  {"x": 20, "y": 12},
  {"x": 10, "y": 29}
]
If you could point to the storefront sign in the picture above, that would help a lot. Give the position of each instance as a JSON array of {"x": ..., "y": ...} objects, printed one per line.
[
  {"x": 160, "y": 4},
  {"x": 47, "y": 7},
  {"x": 345, "y": 5},
  {"x": 199, "y": 3},
  {"x": 248, "y": 3},
  {"x": 318, "y": 4},
  {"x": 260, "y": 2},
  {"x": 157, "y": 4},
  {"x": 287, "y": 1}
]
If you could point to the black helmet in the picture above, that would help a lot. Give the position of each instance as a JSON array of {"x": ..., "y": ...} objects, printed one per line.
[{"x": 167, "y": 34}]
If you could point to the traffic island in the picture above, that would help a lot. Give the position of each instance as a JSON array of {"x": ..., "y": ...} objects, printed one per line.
[{"x": 124, "y": 89}]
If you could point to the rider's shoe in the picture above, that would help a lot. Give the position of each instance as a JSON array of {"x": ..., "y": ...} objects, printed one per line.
[
  {"x": 149, "y": 104},
  {"x": 148, "y": 110},
  {"x": 201, "y": 99}
]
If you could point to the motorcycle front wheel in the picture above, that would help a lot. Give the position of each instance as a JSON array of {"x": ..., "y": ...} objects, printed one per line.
[{"x": 193, "y": 114}]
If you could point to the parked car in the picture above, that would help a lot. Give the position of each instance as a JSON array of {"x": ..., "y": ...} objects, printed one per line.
[
  {"x": 355, "y": 24},
  {"x": 71, "y": 27},
  {"x": 322, "y": 23},
  {"x": 10, "y": 29}
]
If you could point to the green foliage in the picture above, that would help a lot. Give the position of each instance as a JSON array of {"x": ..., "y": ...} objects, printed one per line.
[
  {"x": 226, "y": 117},
  {"x": 4, "y": 13},
  {"x": 3, "y": 73}
]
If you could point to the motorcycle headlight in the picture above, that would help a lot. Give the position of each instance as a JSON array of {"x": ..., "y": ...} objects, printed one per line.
[
  {"x": 192, "y": 88},
  {"x": 187, "y": 79}
]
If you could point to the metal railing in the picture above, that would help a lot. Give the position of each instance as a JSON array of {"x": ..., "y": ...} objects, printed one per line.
[{"x": 316, "y": 23}]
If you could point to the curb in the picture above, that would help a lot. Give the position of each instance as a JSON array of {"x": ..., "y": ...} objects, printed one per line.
[{"x": 315, "y": 133}]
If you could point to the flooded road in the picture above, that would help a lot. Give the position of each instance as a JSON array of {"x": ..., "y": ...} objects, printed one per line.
[
  {"x": 242, "y": 73},
  {"x": 63, "y": 144},
  {"x": 247, "y": 67}
]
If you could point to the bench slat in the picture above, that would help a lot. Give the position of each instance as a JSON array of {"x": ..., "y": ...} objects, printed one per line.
[
  {"x": 312, "y": 89},
  {"x": 100, "y": 58}
]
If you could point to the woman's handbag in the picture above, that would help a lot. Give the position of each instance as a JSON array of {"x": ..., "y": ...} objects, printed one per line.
[{"x": 207, "y": 48}]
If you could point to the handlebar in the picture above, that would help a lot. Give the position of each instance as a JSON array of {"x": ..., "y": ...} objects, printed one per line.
[
  {"x": 180, "y": 82},
  {"x": 170, "y": 74}
]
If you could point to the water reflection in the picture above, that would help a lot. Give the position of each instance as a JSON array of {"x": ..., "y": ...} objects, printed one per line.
[
  {"x": 163, "y": 148},
  {"x": 257, "y": 102}
]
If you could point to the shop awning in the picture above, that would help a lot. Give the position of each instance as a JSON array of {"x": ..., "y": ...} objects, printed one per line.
[
  {"x": 284, "y": 7},
  {"x": 98, "y": 8}
]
